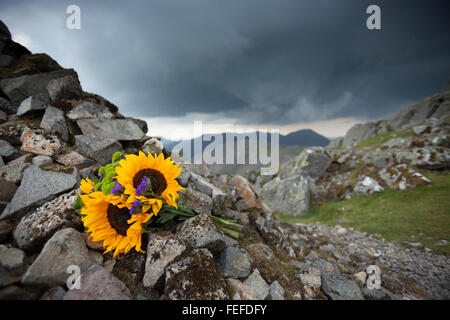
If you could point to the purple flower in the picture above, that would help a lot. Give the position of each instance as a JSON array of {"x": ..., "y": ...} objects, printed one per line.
[
  {"x": 117, "y": 188},
  {"x": 136, "y": 203},
  {"x": 142, "y": 186}
]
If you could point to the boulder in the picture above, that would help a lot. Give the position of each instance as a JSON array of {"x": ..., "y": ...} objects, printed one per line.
[
  {"x": 258, "y": 284},
  {"x": 38, "y": 186},
  {"x": 276, "y": 291},
  {"x": 74, "y": 159},
  {"x": 367, "y": 185},
  {"x": 6, "y": 149},
  {"x": 98, "y": 284},
  {"x": 33, "y": 103},
  {"x": 19, "y": 88},
  {"x": 401, "y": 177},
  {"x": 12, "y": 259},
  {"x": 288, "y": 196},
  {"x": 38, "y": 143},
  {"x": 64, "y": 249},
  {"x": 358, "y": 133},
  {"x": 54, "y": 122},
  {"x": 240, "y": 291},
  {"x": 66, "y": 87},
  {"x": 161, "y": 251},
  {"x": 89, "y": 110},
  {"x": 339, "y": 287},
  {"x": 119, "y": 129},
  {"x": 234, "y": 263},
  {"x": 194, "y": 276},
  {"x": 201, "y": 232},
  {"x": 199, "y": 202},
  {"x": 97, "y": 148},
  {"x": 39, "y": 225},
  {"x": 312, "y": 162},
  {"x": 42, "y": 161},
  {"x": 13, "y": 173}
]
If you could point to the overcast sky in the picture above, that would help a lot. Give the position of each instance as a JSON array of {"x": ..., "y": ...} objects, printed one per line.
[{"x": 285, "y": 64}]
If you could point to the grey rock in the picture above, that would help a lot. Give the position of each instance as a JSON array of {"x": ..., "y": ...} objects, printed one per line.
[
  {"x": 276, "y": 291},
  {"x": 12, "y": 259},
  {"x": 375, "y": 294},
  {"x": 119, "y": 129},
  {"x": 201, "y": 232},
  {"x": 38, "y": 186},
  {"x": 339, "y": 287},
  {"x": 257, "y": 283},
  {"x": 66, "y": 87},
  {"x": 40, "y": 224},
  {"x": 161, "y": 251},
  {"x": 194, "y": 276},
  {"x": 97, "y": 148},
  {"x": 142, "y": 124},
  {"x": 312, "y": 162},
  {"x": 312, "y": 277},
  {"x": 6, "y": 149},
  {"x": 98, "y": 284},
  {"x": 89, "y": 110},
  {"x": 358, "y": 133},
  {"x": 239, "y": 291},
  {"x": 261, "y": 249},
  {"x": 183, "y": 177},
  {"x": 33, "y": 103},
  {"x": 199, "y": 202},
  {"x": 19, "y": 88},
  {"x": 367, "y": 185},
  {"x": 64, "y": 249},
  {"x": 54, "y": 122},
  {"x": 290, "y": 196},
  {"x": 86, "y": 173},
  {"x": 420, "y": 129},
  {"x": 234, "y": 263},
  {"x": 13, "y": 172},
  {"x": 73, "y": 158},
  {"x": 42, "y": 161}
]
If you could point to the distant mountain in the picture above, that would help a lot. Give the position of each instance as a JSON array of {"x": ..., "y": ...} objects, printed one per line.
[{"x": 302, "y": 138}]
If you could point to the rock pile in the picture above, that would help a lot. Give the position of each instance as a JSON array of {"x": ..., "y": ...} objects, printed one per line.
[{"x": 52, "y": 133}]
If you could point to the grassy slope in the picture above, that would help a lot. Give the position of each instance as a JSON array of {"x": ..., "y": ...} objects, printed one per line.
[{"x": 395, "y": 215}]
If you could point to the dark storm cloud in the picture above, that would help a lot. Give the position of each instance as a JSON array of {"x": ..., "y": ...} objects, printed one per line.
[{"x": 256, "y": 60}]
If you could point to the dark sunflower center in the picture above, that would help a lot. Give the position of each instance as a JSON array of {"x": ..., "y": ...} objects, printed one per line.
[
  {"x": 117, "y": 218},
  {"x": 157, "y": 180}
]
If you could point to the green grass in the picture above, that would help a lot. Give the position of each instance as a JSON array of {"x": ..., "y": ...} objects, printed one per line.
[
  {"x": 395, "y": 215},
  {"x": 379, "y": 140}
]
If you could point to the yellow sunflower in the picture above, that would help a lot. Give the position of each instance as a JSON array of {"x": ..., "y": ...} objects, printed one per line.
[
  {"x": 138, "y": 174},
  {"x": 108, "y": 219}
]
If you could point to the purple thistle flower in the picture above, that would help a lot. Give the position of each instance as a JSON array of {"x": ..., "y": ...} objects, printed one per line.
[
  {"x": 142, "y": 186},
  {"x": 117, "y": 188},
  {"x": 136, "y": 203}
]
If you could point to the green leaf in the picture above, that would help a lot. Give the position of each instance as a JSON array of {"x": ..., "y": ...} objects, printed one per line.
[
  {"x": 165, "y": 216},
  {"x": 107, "y": 187},
  {"x": 116, "y": 156}
]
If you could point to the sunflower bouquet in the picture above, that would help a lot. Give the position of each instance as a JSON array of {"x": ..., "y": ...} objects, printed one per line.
[{"x": 132, "y": 195}]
